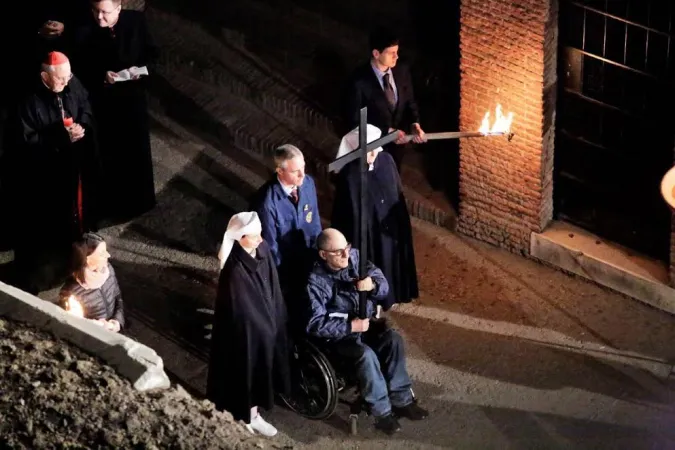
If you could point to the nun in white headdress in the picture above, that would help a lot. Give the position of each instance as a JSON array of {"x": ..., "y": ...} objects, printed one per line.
[
  {"x": 390, "y": 245},
  {"x": 249, "y": 344}
]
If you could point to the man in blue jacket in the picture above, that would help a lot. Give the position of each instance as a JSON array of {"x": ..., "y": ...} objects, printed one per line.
[
  {"x": 376, "y": 353},
  {"x": 289, "y": 213}
]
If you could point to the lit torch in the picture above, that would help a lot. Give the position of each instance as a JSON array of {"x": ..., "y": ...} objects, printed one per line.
[
  {"x": 74, "y": 307},
  {"x": 500, "y": 127}
]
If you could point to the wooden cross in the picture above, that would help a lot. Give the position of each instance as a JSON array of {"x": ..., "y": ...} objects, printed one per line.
[{"x": 362, "y": 152}]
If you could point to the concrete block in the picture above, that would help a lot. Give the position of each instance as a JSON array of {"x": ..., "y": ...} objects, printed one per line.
[
  {"x": 133, "y": 360},
  {"x": 582, "y": 253}
]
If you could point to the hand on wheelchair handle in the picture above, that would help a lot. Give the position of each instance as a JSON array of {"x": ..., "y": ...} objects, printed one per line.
[{"x": 360, "y": 325}]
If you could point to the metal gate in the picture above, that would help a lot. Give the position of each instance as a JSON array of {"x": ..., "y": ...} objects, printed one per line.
[{"x": 615, "y": 126}]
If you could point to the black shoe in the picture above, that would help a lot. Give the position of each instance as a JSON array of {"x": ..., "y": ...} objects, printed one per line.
[
  {"x": 411, "y": 412},
  {"x": 388, "y": 424}
]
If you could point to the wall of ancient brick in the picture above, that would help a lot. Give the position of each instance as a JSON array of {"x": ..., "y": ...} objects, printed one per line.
[{"x": 508, "y": 55}]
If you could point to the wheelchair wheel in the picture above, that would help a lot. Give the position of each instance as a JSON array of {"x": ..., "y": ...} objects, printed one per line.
[{"x": 313, "y": 383}]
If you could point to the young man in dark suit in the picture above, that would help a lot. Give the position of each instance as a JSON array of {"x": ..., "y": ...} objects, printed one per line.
[{"x": 387, "y": 90}]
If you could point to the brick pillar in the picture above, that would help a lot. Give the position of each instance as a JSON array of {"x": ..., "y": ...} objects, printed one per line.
[{"x": 508, "y": 56}]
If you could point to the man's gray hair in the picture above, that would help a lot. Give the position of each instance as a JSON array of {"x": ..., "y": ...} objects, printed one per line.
[{"x": 284, "y": 153}]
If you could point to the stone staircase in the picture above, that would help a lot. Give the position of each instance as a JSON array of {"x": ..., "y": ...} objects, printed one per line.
[{"x": 217, "y": 86}]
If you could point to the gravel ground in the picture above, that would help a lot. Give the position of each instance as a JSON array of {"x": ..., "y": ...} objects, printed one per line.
[{"x": 52, "y": 395}]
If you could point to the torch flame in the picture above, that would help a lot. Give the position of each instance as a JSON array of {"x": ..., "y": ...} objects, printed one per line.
[
  {"x": 502, "y": 122},
  {"x": 74, "y": 307}
]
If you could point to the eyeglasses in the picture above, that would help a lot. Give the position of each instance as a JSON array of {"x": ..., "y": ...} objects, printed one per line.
[{"x": 339, "y": 252}]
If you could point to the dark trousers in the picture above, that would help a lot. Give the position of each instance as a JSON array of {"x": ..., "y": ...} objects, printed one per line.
[{"x": 378, "y": 359}]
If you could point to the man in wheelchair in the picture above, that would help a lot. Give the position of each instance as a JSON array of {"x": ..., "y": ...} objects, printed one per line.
[{"x": 369, "y": 346}]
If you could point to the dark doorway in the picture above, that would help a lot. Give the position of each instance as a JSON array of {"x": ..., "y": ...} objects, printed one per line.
[{"x": 615, "y": 123}]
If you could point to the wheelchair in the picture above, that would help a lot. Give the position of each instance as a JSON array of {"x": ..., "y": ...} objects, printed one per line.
[{"x": 319, "y": 382}]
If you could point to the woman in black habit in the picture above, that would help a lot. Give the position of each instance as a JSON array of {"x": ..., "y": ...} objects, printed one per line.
[
  {"x": 390, "y": 244},
  {"x": 249, "y": 346},
  {"x": 115, "y": 40}
]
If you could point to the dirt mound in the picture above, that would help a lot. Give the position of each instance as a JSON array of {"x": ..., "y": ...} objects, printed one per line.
[{"x": 53, "y": 395}]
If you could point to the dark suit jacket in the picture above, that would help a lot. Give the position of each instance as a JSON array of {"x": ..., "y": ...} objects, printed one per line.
[{"x": 364, "y": 89}]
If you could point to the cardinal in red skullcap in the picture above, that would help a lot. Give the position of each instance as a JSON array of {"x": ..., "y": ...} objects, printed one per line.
[
  {"x": 56, "y": 71},
  {"x": 55, "y": 171}
]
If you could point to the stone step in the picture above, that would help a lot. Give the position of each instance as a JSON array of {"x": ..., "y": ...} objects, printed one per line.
[
  {"x": 249, "y": 126},
  {"x": 303, "y": 46},
  {"x": 211, "y": 59},
  {"x": 255, "y": 132},
  {"x": 252, "y": 107},
  {"x": 286, "y": 113},
  {"x": 236, "y": 169},
  {"x": 314, "y": 44},
  {"x": 241, "y": 169},
  {"x": 231, "y": 122},
  {"x": 303, "y": 31}
]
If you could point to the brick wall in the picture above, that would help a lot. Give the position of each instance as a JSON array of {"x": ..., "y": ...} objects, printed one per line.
[{"x": 508, "y": 56}]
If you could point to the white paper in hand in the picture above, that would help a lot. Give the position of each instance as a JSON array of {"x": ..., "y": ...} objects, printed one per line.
[{"x": 130, "y": 73}]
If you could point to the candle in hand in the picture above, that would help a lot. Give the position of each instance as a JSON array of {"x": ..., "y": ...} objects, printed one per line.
[{"x": 74, "y": 307}]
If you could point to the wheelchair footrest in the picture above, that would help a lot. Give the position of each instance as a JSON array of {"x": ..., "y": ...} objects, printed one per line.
[{"x": 353, "y": 424}]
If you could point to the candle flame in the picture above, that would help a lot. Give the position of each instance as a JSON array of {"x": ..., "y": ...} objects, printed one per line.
[
  {"x": 502, "y": 122},
  {"x": 74, "y": 307}
]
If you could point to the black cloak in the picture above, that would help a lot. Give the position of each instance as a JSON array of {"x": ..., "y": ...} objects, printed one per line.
[
  {"x": 121, "y": 108},
  {"x": 47, "y": 170},
  {"x": 390, "y": 244},
  {"x": 249, "y": 345}
]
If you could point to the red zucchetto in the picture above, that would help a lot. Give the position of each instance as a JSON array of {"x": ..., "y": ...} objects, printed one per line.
[{"x": 56, "y": 59}]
